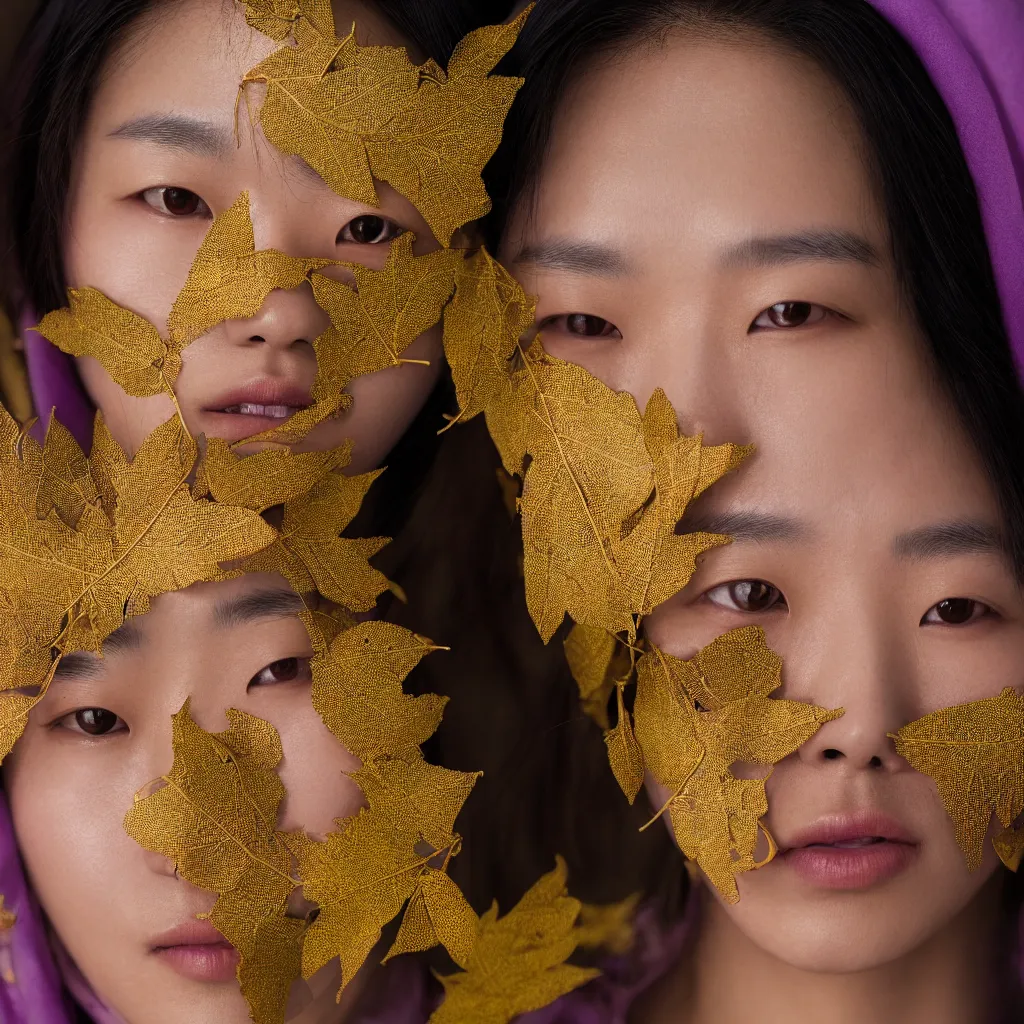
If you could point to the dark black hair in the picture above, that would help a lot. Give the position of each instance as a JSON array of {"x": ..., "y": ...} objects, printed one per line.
[
  {"x": 926, "y": 188},
  {"x": 61, "y": 57}
]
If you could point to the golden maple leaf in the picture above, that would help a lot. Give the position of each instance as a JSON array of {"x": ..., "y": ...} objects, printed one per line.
[
  {"x": 267, "y": 478},
  {"x": 608, "y": 926},
  {"x": 129, "y": 347},
  {"x": 360, "y": 877},
  {"x": 517, "y": 962},
  {"x": 355, "y": 113},
  {"x": 215, "y": 816},
  {"x": 229, "y": 279},
  {"x": 357, "y": 689},
  {"x": 975, "y": 755},
  {"x": 603, "y": 491},
  {"x": 311, "y": 555},
  {"x": 694, "y": 720},
  {"x": 482, "y": 327},
  {"x": 386, "y": 311},
  {"x": 599, "y": 661}
]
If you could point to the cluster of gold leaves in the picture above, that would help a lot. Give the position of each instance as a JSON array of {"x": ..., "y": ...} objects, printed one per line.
[
  {"x": 694, "y": 720},
  {"x": 358, "y": 113},
  {"x": 85, "y": 543},
  {"x": 373, "y": 319},
  {"x": 604, "y": 488},
  {"x": 975, "y": 754}
]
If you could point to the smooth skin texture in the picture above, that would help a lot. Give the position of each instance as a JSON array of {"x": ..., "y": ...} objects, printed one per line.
[
  {"x": 159, "y": 158},
  {"x": 103, "y": 732},
  {"x": 705, "y": 223}
]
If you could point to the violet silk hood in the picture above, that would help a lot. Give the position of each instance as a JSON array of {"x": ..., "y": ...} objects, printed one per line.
[{"x": 974, "y": 52}]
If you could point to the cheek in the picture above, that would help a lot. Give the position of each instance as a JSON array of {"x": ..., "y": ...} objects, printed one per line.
[
  {"x": 59, "y": 806},
  {"x": 130, "y": 420},
  {"x": 384, "y": 405},
  {"x": 313, "y": 770}
]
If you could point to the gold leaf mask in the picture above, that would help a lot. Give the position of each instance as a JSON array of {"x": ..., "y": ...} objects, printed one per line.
[
  {"x": 694, "y": 720},
  {"x": 975, "y": 755},
  {"x": 355, "y": 113},
  {"x": 215, "y": 817}
]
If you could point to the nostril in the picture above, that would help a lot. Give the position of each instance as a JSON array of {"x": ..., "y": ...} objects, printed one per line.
[
  {"x": 875, "y": 762},
  {"x": 257, "y": 337},
  {"x": 831, "y": 754}
]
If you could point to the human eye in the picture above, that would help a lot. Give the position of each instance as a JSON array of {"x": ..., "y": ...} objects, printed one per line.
[
  {"x": 746, "y": 596},
  {"x": 787, "y": 315},
  {"x": 956, "y": 611},
  {"x": 582, "y": 325},
  {"x": 285, "y": 670},
  {"x": 369, "y": 229},
  {"x": 175, "y": 202},
  {"x": 91, "y": 722}
]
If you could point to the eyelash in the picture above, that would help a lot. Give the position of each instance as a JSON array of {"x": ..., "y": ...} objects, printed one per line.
[
  {"x": 604, "y": 328},
  {"x": 386, "y": 232},
  {"x": 294, "y": 669},
  {"x": 157, "y": 197}
]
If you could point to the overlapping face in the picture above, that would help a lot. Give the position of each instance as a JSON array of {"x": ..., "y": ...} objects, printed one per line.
[
  {"x": 103, "y": 732},
  {"x": 169, "y": 144},
  {"x": 704, "y": 223}
]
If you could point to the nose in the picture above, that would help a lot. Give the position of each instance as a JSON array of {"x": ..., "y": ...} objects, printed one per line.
[
  {"x": 286, "y": 319},
  {"x": 857, "y": 664}
]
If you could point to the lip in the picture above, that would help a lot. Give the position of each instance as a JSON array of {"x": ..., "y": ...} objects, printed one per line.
[
  {"x": 853, "y": 851},
  {"x": 260, "y": 405},
  {"x": 196, "y": 950}
]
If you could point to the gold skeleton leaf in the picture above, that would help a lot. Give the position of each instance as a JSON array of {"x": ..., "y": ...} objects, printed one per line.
[
  {"x": 377, "y": 320},
  {"x": 311, "y": 555},
  {"x": 602, "y": 493},
  {"x": 276, "y": 18},
  {"x": 598, "y": 661},
  {"x": 482, "y": 327},
  {"x": 86, "y": 544},
  {"x": 517, "y": 962},
  {"x": 355, "y": 113},
  {"x": 228, "y": 280},
  {"x": 361, "y": 875},
  {"x": 694, "y": 720},
  {"x": 215, "y": 817},
  {"x": 357, "y": 690},
  {"x": 975, "y": 755}
]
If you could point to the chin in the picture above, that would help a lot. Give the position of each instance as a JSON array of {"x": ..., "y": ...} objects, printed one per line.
[{"x": 834, "y": 940}]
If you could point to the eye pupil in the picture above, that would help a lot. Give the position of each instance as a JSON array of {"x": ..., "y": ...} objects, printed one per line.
[
  {"x": 285, "y": 669},
  {"x": 180, "y": 201},
  {"x": 955, "y": 610},
  {"x": 789, "y": 314},
  {"x": 95, "y": 721},
  {"x": 753, "y": 595},
  {"x": 368, "y": 229},
  {"x": 586, "y": 325}
]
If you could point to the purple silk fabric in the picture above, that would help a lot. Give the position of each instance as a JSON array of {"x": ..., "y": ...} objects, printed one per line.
[{"x": 974, "y": 51}]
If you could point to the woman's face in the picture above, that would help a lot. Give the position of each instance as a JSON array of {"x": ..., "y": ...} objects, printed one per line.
[
  {"x": 159, "y": 158},
  {"x": 103, "y": 732},
  {"x": 705, "y": 224}
]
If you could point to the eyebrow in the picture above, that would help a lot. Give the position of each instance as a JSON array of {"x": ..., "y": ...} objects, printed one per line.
[
  {"x": 84, "y": 665},
  {"x": 779, "y": 250},
  {"x": 958, "y": 537},
  {"x": 593, "y": 258},
  {"x": 262, "y": 604},
  {"x": 190, "y": 134},
  {"x": 744, "y": 524}
]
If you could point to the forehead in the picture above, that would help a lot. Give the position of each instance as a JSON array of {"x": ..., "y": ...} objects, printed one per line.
[
  {"x": 719, "y": 136},
  {"x": 189, "y": 56}
]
